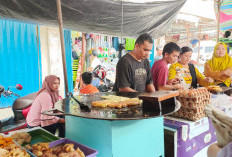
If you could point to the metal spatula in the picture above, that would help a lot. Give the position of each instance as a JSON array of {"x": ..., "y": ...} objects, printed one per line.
[{"x": 83, "y": 107}]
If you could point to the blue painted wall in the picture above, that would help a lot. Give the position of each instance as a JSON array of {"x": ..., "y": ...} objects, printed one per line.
[{"x": 19, "y": 58}]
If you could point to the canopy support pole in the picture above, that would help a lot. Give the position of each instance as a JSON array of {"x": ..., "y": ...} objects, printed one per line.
[
  {"x": 60, "y": 21},
  {"x": 120, "y": 48},
  {"x": 199, "y": 45},
  {"x": 122, "y": 23},
  {"x": 188, "y": 34},
  {"x": 82, "y": 57},
  {"x": 218, "y": 19}
]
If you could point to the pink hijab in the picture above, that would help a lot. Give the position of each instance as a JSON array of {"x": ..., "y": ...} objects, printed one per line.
[{"x": 47, "y": 85}]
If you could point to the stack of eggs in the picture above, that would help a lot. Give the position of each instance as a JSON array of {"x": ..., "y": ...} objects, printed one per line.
[{"x": 193, "y": 102}]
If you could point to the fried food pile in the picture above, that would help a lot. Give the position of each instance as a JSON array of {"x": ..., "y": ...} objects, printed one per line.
[
  {"x": 21, "y": 138},
  {"x": 116, "y": 101},
  {"x": 43, "y": 150},
  {"x": 193, "y": 102},
  {"x": 9, "y": 149},
  {"x": 5, "y": 141}
]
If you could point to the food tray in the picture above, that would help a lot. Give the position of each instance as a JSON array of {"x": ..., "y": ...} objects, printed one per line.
[
  {"x": 89, "y": 152},
  {"x": 41, "y": 136}
]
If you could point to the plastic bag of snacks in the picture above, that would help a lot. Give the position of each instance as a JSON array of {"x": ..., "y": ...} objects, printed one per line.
[{"x": 222, "y": 124}]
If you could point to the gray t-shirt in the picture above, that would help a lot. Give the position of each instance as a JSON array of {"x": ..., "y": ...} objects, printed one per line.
[{"x": 132, "y": 73}]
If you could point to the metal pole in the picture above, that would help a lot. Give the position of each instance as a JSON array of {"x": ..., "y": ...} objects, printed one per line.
[
  {"x": 218, "y": 19},
  {"x": 188, "y": 34},
  {"x": 122, "y": 23},
  {"x": 120, "y": 48},
  {"x": 59, "y": 11},
  {"x": 82, "y": 56},
  {"x": 37, "y": 33},
  {"x": 199, "y": 45}
]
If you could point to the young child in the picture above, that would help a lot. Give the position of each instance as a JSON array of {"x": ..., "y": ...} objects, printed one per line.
[{"x": 87, "y": 78}]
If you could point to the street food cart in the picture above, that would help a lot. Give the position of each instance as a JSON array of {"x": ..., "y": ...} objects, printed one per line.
[{"x": 130, "y": 131}]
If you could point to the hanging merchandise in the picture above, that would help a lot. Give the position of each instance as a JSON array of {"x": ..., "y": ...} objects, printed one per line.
[
  {"x": 76, "y": 53},
  {"x": 75, "y": 68},
  {"x": 87, "y": 36},
  {"x": 106, "y": 53},
  {"x": 81, "y": 64},
  {"x": 115, "y": 43},
  {"x": 75, "y": 34},
  {"x": 130, "y": 43}
]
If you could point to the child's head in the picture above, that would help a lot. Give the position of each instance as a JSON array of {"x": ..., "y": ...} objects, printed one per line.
[
  {"x": 87, "y": 77},
  {"x": 171, "y": 51}
]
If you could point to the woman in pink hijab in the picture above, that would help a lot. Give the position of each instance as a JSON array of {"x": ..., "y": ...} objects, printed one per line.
[{"x": 47, "y": 96}]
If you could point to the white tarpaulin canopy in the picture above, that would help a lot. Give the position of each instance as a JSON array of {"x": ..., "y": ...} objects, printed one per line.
[
  {"x": 110, "y": 17},
  {"x": 195, "y": 13}
]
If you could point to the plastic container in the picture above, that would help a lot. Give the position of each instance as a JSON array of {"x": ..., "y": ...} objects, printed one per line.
[
  {"x": 41, "y": 136},
  {"x": 89, "y": 152}
]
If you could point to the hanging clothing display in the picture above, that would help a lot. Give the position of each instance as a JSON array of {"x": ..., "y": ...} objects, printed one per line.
[
  {"x": 115, "y": 43},
  {"x": 130, "y": 43}
]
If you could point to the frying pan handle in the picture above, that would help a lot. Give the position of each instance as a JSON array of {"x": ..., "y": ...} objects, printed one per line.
[{"x": 50, "y": 112}]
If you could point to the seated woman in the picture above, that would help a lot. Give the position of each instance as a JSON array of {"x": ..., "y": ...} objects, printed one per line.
[
  {"x": 220, "y": 66},
  {"x": 47, "y": 96},
  {"x": 186, "y": 73}
]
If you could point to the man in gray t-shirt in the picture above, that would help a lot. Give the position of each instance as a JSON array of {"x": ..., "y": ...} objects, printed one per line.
[{"x": 133, "y": 70}]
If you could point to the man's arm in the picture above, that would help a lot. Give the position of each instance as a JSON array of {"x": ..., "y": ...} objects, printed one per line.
[
  {"x": 150, "y": 88},
  {"x": 170, "y": 87},
  {"x": 127, "y": 89}
]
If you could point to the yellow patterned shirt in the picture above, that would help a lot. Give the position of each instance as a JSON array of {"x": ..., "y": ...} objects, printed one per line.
[{"x": 176, "y": 70}]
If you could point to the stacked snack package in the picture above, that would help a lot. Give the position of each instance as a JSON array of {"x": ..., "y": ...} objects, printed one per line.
[{"x": 193, "y": 102}]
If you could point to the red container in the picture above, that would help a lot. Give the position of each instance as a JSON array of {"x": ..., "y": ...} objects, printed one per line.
[{"x": 89, "y": 152}]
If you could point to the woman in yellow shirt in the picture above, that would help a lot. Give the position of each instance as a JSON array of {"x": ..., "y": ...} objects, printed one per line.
[
  {"x": 219, "y": 67},
  {"x": 186, "y": 73}
]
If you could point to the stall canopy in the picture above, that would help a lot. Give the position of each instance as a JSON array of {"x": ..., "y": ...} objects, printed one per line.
[
  {"x": 112, "y": 17},
  {"x": 195, "y": 13},
  {"x": 226, "y": 15}
]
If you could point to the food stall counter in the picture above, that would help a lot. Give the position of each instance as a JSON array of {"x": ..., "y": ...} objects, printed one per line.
[{"x": 128, "y": 131}]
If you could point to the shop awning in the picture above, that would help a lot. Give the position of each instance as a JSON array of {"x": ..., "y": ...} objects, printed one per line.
[
  {"x": 112, "y": 17},
  {"x": 226, "y": 15}
]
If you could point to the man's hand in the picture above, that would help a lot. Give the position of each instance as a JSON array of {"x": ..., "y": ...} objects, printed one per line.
[
  {"x": 150, "y": 88},
  {"x": 127, "y": 89}
]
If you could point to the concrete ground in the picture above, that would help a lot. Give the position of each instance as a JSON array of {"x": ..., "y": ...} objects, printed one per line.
[{"x": 5, "y": 114}]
